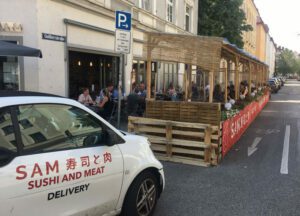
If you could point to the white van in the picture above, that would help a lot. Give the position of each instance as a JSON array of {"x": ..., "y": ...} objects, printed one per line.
[{"x": 57, "y": 157}]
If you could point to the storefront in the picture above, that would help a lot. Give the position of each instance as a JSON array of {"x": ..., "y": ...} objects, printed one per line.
[{"x": 90, "y": 70}]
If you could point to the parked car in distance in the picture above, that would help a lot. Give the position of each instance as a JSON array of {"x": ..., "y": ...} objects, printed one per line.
[
  {"x": 67, "y": 160},
  {"x": 277, "y": 82},
  {"x": 281, "y": 81},
  {"x": 273, "y": 86}
]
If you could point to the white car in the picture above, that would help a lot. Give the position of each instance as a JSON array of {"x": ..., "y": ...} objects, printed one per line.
[{"x": 57, "y": 157}]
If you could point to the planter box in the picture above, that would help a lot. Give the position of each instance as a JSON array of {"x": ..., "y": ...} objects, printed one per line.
[{"x": 234, "y": 127}]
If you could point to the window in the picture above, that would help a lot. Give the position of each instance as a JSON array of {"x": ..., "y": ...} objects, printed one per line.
[
  {"x": 187, "y": 18},
  {"x": 145, "y": 4},
  {"x": 9, "y": 73},
  {"x": 8, "y": 145},
  {"x": 170, "y": 10},
  {"x": 169, "y": 75},
  {"x": 52, "y": 127}
]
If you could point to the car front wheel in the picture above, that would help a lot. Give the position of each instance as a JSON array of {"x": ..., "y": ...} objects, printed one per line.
[{"x": 142, "y": 196}]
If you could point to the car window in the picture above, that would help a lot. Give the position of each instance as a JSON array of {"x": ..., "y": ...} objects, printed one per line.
[
  {"x": 52, "y": 127},
  {"x": 8, "y": 145}
]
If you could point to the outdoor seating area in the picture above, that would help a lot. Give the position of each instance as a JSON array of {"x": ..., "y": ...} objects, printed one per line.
[{"x": 230, "y": 81}]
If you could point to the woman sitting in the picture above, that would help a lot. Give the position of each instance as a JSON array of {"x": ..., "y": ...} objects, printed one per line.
[
  {"x": 85, "y": 98},
  {"x": 244, "y": 89},
  {"x": 106, "y": 105},
  {"x": 172, "y": 92}
]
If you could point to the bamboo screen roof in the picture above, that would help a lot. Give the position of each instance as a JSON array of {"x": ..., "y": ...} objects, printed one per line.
[{"x": 203, "y": 51}]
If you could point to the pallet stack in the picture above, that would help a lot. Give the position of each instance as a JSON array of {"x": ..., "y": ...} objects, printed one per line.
[{"x": 183, "y": 142}]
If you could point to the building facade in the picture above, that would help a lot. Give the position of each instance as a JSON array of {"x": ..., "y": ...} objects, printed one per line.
[
  {"x": 77, "y": 39},
  {"x": 258, "y": 42},
  {"x": 262, "y": 31},
  {"x": 270, "y": 55},
  {"x": 250, "y": 37}
]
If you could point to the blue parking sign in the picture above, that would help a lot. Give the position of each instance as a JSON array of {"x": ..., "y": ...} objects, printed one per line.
[{"x": 123, "y": 20}]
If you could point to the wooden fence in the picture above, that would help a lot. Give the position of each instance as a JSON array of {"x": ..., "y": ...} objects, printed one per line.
[{"x": 189, "y": 143}]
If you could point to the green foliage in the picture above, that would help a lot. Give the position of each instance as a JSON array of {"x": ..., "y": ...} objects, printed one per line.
[
  {"x": 288, "y": 62},
  {"x": 223, "y": 18}
]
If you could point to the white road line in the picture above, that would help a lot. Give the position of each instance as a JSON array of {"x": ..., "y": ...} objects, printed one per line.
[
  {"x": 285, "y": 153},
  {"x": 253, "y": 148}
]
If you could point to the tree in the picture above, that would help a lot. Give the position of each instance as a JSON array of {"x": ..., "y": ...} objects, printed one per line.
[
  {"x": 223, "y": 18},
  {"x": 288, "y": 62}
]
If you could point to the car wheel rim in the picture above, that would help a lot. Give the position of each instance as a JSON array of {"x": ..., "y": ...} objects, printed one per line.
[{"x": 146, "y": 197}]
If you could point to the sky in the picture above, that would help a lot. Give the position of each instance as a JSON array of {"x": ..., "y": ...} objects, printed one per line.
[{"x": 283, "y": 19}]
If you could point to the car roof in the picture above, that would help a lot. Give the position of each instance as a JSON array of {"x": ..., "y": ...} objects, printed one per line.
[{"x": 6, "y": 93}]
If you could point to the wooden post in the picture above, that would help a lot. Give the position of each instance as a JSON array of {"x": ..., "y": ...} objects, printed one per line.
[
  {"x": 204, "y": 85},
  {"x": 207, "y": 141},
  {"x": 169, "y": 139},
  {"x": 188, "y": 79},
  {"x": 190, "y": 82},
  {"x": 261, "y": 75},
  {"x": 226, "y": 81},
  {"x": 185, "y": 83},
  {"x": 149, "y": 69},
  {"x": 237, "y": 78},
  {"x": 211, "y": 86},
  {"x": 155, "y": 84},
  {"x": 250, "y": 77}
]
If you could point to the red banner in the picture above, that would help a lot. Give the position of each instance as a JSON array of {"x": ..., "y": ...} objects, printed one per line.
[{"x": 234, "y": 128}]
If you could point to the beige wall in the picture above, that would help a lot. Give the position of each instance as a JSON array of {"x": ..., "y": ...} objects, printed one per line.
[
  {"x": 249, "y": 38},
  {"x": 261, "y": 42}
]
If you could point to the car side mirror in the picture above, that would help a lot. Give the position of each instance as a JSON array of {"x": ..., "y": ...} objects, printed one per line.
[{"x": 98, "y": 138}]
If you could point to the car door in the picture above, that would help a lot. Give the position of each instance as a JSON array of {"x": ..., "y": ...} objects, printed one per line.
[{"x": 67, "y": 164}]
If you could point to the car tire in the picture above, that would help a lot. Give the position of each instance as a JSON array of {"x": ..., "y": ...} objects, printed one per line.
[{"x": 142, "y": 196}]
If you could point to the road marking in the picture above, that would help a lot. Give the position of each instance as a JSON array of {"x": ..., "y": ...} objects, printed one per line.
[
  {"x": 298, "y": 141},
  {"x": 285, "y": 152},
  {"x": 253, "y": 148}
]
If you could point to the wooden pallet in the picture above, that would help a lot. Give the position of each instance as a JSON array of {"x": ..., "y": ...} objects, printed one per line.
[
  {"x": 188, "y": 143},
  {"x": 208, "y": 113}
]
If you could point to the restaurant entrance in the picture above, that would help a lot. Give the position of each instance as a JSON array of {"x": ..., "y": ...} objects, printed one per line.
[{"x": 93, "y": 71}]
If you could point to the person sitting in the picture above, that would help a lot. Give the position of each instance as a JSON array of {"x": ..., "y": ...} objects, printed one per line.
[
  {"x": 172, "y": 92},
  {"x": 243, "y": 89},
  {"x": 109, "y": 88},
  {"x": 106, "y": 105},
  {"x": 229, "y": 94},
  {"x": 195, "y": 92},
  {"x": 142, "y": 90},
  {"x": 133, "y": 105},
  {"x": 85, "y": 97},
  {"x": 218, "y": 96}
]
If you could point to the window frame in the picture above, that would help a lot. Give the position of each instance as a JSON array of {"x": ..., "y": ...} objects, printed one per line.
[
  {"x": 12, "y": 111},
  {"x": 143, "y": 5},
  {"x": 170, "y": 4},
  {"x": 18, "y": 136},
  {"x": 189, "y": 15}
]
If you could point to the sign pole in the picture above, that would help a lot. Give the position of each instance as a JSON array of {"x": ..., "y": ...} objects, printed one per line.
[
  {"x": 122, "y": 46},
  {"x": 121, "y": 68}
]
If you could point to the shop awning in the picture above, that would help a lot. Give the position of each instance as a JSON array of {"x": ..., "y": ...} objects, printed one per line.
[{"x": 10, "y": 49}]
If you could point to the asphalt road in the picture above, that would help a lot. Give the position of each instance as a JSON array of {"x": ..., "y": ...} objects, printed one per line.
[{"x": 242, "y": 184}]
